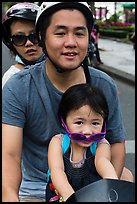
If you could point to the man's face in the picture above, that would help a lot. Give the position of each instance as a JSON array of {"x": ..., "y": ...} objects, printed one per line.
[{"x": 67, "y": 38}]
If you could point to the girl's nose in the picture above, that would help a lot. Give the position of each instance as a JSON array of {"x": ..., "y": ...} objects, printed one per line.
[{"x": 87, "y": 132}]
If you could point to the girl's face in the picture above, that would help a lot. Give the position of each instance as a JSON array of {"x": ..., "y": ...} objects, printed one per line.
[
  {"x": 86, "y": 121},
  {"x": 66, "y": 38},
  {"x": 29, "y": 51}
]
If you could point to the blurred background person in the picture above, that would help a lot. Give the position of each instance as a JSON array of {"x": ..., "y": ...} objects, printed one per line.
[
  {"x": 133, "y": 40},
  {"x": 20, "y": 37},
  {"x": 95, "y": 37}
]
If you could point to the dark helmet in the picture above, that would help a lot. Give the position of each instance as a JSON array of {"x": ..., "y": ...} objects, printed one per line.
[
  {"x": 23, "y": 10},
  {"x": 48, "y": 8}
]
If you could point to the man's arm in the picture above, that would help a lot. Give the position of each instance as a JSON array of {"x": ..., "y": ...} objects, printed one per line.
[
  {"x": 11, "y": 162},
  {"x": 118, "y": 157}
]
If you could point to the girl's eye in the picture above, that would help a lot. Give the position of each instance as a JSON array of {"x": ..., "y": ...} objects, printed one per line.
[
  {"x": 96, "y": 123},
  {"x": 79, "y": 122}
]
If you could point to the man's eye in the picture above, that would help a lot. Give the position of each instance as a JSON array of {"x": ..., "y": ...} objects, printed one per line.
[
  {"x": 61, "y": 33},
  {"x": 79, "y": 34}
]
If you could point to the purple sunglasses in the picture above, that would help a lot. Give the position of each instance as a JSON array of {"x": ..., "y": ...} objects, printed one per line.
[{"x": 79, "y": 137}]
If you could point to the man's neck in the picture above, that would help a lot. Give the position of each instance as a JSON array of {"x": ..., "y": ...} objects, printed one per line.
[{"x": 62, "y": 81}]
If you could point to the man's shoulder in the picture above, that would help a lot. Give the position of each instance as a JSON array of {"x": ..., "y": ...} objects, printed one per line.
[
  {"x": 26, "y": 73},
  {"x": 102, "y": 80},
  {"x": 24, "y": 77},
  {"x": 33, "y": 68},
  {"x": 99, "y": 74}
]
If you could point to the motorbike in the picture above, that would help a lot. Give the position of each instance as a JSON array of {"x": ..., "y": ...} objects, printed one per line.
[{"x": 105, "y": 190}]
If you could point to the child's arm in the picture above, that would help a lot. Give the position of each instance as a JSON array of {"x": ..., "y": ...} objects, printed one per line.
[
  {"x": 103, "y": 161},
  {"x": 56, "y": 166}
]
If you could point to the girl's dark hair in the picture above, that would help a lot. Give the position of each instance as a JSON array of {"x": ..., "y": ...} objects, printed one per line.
[{"x": 83, "y": 94}]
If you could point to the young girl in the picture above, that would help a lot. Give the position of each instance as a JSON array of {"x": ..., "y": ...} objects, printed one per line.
[{"x": 82, "y": 155}]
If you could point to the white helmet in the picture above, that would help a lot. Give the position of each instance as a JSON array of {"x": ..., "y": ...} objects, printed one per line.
[
  {"x": 48, "y": 8},
  {"x": 51, "y": 7}
]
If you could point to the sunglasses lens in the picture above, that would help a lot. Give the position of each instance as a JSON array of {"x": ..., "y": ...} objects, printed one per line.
[
  {"x": 33, "y": 38},
  {"x": 78, "y": 137},
  {"x": 19, "y": 40},
  {"x": 97, "y": 137}
]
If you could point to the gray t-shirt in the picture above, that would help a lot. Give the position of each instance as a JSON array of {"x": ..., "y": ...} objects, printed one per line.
[{"x": 30, "y": 101}]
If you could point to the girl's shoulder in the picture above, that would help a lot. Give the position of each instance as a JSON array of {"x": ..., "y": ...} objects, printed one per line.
[
  {"x": 57, "y": 137},
  {"x": 61, "y": 139}
]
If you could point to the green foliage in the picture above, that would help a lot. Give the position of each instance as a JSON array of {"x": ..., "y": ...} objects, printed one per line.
[
  {"x": 6, "y": 5},
  {"x": 114, "y": 33},
  {"x": 125, "y": 28}
]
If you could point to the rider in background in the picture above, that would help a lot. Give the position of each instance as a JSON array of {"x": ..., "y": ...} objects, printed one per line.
[
  {"x": 95, "y": 35},
  {"x": 20, "y": 37},
  {"x": 133, "y": 39}
]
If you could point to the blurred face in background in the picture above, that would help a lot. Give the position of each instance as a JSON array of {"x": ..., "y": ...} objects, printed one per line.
[{"x": 29, "y": 50}]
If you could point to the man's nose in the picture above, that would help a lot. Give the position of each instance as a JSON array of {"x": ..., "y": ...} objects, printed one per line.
[{"x": 70, "y": 41}]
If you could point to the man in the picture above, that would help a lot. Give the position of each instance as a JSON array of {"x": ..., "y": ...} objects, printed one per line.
[{"x": 31, "y": 99}]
